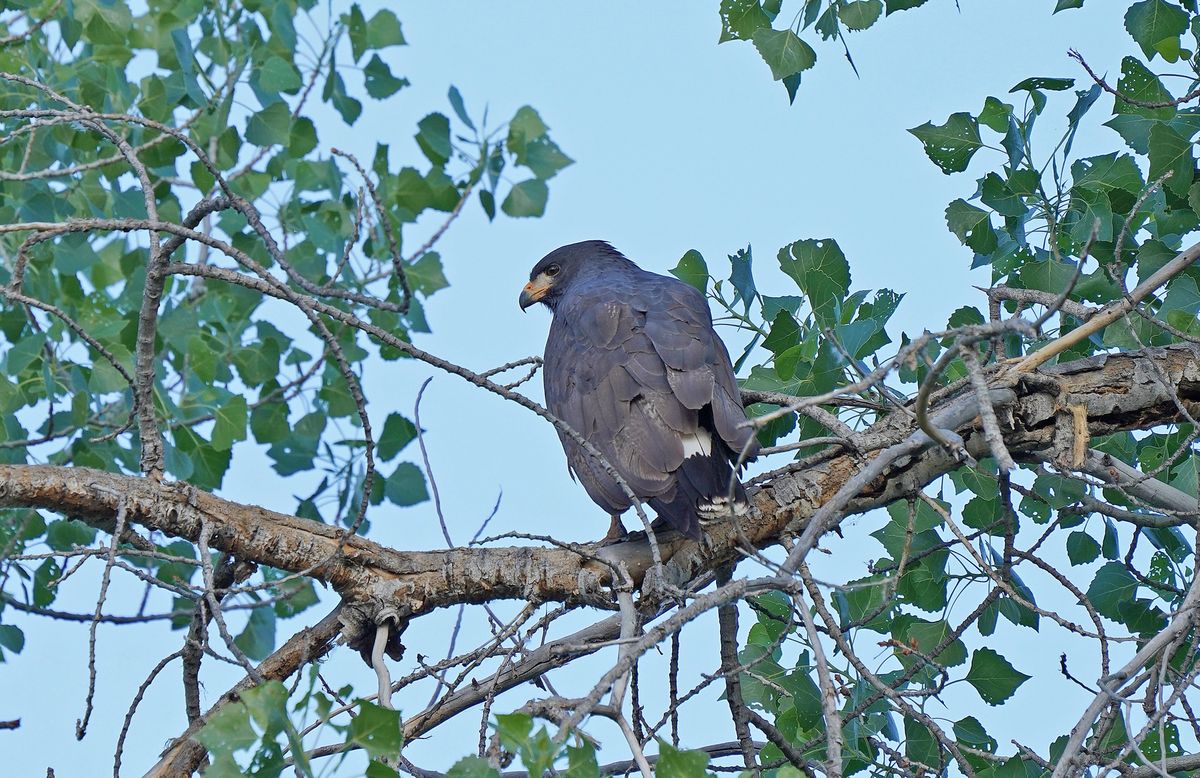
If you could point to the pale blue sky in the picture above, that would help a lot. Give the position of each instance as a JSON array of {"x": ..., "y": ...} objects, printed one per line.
[{"x": 680, "y": 144}]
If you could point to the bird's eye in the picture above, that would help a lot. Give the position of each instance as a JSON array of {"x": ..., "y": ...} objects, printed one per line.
[{"x": 553, "y": 270}]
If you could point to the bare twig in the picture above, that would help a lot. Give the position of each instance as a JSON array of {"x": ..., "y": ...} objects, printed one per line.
[{"x": 81, "y": 725}]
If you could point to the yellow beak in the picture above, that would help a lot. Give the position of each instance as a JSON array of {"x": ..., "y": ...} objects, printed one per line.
[{"x": 533, "y": 291}]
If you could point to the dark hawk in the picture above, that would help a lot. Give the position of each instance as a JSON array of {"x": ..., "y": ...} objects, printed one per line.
[{"x": 634, "y": 366}]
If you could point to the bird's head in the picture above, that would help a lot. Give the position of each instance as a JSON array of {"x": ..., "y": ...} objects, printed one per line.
[{"x": 558, "y": 270}]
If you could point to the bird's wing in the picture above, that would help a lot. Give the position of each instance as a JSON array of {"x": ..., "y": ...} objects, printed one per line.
[
  {"x": 598, "y": 362},
  {"x": 699, "y": 369},
  {"x": 631, "y": 367}
]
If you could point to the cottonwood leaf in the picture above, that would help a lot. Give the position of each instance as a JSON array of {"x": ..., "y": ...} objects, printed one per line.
[
  {"x": 1156, "y": 26},
  {"x": 527, "y": 198},
  {"x": 376, "y": 729},
  {"x": 951, "y": 145},
  {"x": 993, "y": 677},
  {"x": 673, "y": 763},
  {"x": 740, "y": 19},
  {"x": 820, "y": 269},
  {"x": 784, "y": 52},
  {"x": 692, "y": 270}
]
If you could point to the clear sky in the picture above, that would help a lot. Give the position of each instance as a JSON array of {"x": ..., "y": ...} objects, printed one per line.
[{"x": 680, "y": 144}]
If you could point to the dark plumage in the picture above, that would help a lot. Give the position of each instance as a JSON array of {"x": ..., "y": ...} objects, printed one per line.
[{"x": 634, "y": 366}]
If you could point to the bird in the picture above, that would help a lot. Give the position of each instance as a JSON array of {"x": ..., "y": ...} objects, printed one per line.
[{"x": 634, "y": 366}]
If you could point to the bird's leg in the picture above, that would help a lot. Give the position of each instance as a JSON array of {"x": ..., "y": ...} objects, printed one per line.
[{"x": 616, "y": 532}]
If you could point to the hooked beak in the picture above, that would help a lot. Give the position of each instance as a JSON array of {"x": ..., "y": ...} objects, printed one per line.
[{"x": 533, "y": 291}]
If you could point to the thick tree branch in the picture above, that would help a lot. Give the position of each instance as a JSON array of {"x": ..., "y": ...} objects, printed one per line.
[{"x": 1120, "y": 392}]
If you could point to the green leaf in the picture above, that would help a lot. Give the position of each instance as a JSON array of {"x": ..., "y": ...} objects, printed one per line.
[
  {"x": 527, "y": 198},
  {"x": 673, "y": 763},
  {"x": 996, "y": 195},
  {"x": 472, "y": 767},
  {"x": 692, "y": 270},
  {"x": 460, "y": 109},
  {"x": 1063, "y": 5},
  {"x": 862, "y": 598},
  {"x": 223, "y": 766},
  {"x": 228, "y": 730},
  {"x": 43, "y": 593},
  {"x": 356, "y": 27},
  {"x": 972, "y": 226},
  {"x": 903, "y": 5},
  {"x": 1082, "y": 548},
  {"x": 514, "y": 729},
  {"x": 397, "y": 433},
  {"x": 581, "y": 761},
  {"x": 1181, "y": 304},
  {"x": 993, "y": 677},
  {"x": 1112, "y": 587},
  {"x": 487, "y": 201},
  {"x": 919, "y": 743},
  {"x": 970, "y": 732},
  {"x": 1108, "y": 546},
  {"x": 258, "y": 638},
  {"x": 980, "y": 513},
  {"x": 924, "y": 583},
  {"x": 1163, "y": 735},
  {"x": 1139, "y": 83},
  {"x": 380, "y": 770},
  {"x": 1107, "y": 172},
  {"x": 820, "y": 269},
  {"x": 335, "y": 92},
  {"x": 11, "y": 638},
  {"x": 544, "y": 158},
  {"x": 295, "y": 596},
  {"x": 526, "y": 126},
  {"x": 434, "y": 138},
  {"x": 740, "y": 19},
  {"x": 741, "y": 275},
  {"x": 24, "y": 352},
  {"x": 302, "y": 138},
  {"x": 384, "y": 30},
  {"x": 105, "y": 379},
  {"x": 1041, "y": 82},
  {"x": 1085, "y": 99},
  {"x": 209, "y": 463},
  {"x": 406, "y": 485},
  {"x": 950, "y": 146},
  {"x": 67, "y": 534},
  {"x": 1090, "y": 210},
  {"x": 1171, "y": 153},
  {"x": 278, "y": 75},
  {"x": 267, "y": 705},
  {"x": 783, "y": 334},
  {"x": 271, "y": 126},
  {"x": 859, "y": 14},
  {"x": 376, "y": 729},
  {"x": 1156, "y": 26},
  {"x": 995, "y": 115},
  {"x": 230, "y": 426},
  {"x": 106, "y": 22},
  {"x": 784, "y": 52},
  {"x": 380, "y": 83},
  {"x": 426, "y": 274},
  {"x": 928, "y": 635}
]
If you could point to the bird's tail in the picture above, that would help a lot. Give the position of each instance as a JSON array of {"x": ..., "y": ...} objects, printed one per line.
[{"x": 702, "y": 493}]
